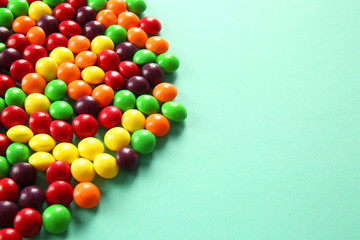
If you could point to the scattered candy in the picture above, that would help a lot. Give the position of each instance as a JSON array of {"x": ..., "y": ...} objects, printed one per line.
[
  {"x": 42, "y": 143},
  {"x": 66, "y": 152},
  {"x": 31, "y": 197},
  {"x": 17, "y": 152},
  {"x": 59, "y": 192},
  {"x": 105, "y": 165},
  {"x": 86, "y": 195},
  {"x": 143, "y": 141},
  {"x": 127, "y": 158},
  {"x": 28, "y": 222},
  {"x": 83, "y": 170},
  {"x": 41, "y": 160},
  {"x": 8, "y": 211},
  {"x": 56, "y": 219},
  {"x": 23, "y": 174},
  {"x": 90, "y": 147},
  {"x": 8, "y": 190},
  {"x": 117, "y": 138},
  {"x": 58, "y": 171}
]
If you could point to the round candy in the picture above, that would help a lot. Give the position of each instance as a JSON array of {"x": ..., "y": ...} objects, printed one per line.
[
  {"x": 68, "y": 72},
  {"x": 61, "y": 110},
  {"x": 108, "y": 60},
  {"x": 66, "y": 152},
  {"x": 17, "y": 41},
  {"x": 15, "y": 96},
  {"x": 85, "y": 59},
  {"x": 165, "y": 92},
  {"x": 55, "y": 90},
  {"x": 61, "y": 55},
  {"x": 116, "y": 6},
  {"x": 8, "y": 190},
  {"x": 93, "y": 29},
  {"x": 157, "y": 45},
  {"x": 77, "y": 3},
  {"x": 78, "y": 44},
  {"x": 157, "y": 124},
  {"x": 83, "y": 170},
  {"x": 110, "y": 117},
  {"x": 17, "y": 152},
  {"x": 86, "y": 105},
  {"x": 5, "y": 83},
  {"x": 56, "y": 219},
  {"x": 90, "y": 147},
  {"x": 70, "y": 28},
  {"x": 129, "y": 69},
  {"x": 20, "y": 68},
  {"x": 84, "y": 15},
  {"x": 41, "y": 160},
  {"x": 115, "y": 80},
  {"x": 85, "y": 126},
  {"x": 53, "y": 3},
  {"x": 106, "y": 18},
  {"x": 20, "y": 134},
  {"x": 33, "y": 53},
  {"x": 13, "y": 116},
  {"x": 144, "y": 56},
  {"x": 150, "y": 25},
  {"x": 125, "y": 50},
  {"x": 86, "y": 195},
  {"x": 7, "y": 57},
  {"x": 28, "y": 222},
  {"x": 6, "y": 17},
  {"x": 100, "y": 43},
  {"x": 78, "y": 89},
  {"x": 93, "y": 75},
  {"x": 64, "y": 11},
  {"x": 147, "y": 104},
  {"x": 127, "y": 158},
  {"x": 143, "y": 141},
  {"x": 4, "y": 167},
  {"x": 136, "y": 6},
  {"x": 137, "y": 36},
  {"x": 59, "y": 192},
  {"x": 117, "y": 138},
  {"x": 97, "y": 5},
  {"x": 33, "y": 83},
  {"x": 2, "y": 104},
  {"x": 138, "y": 85},
  {"x": 47, "y": 67},
  {"x": 10, "y": 233},
  {"x": 4, "y": 34},
  {"x": 38, "y": 9},
  {"x": 124, "y": 100},
  {"x": 55, "y": 40},
  {"x": 35, "y": 35},
  {"x": 128, "y": 20},
  {"x": 39, "y": 122},
  {"x": 61, "y": 131},
  {"x": 105, "y": 166},
  {"x": 36, "y": 102},
  {"x": 58, "y": 171},
  {"x": 103, "y": 95},
  {"x": 23, "y": 174},
  {"x": 116, "y": 33},
  {"x": 31, "y": 197},
  {"x": 8, "y": 211},
  {"x": 168, "y": 62},
  {"x": 42, "y": 143},
  {"x": 174, "y": 111},
  {"x": 18, "y": 7},
  {"x": 49, "y": 24}
]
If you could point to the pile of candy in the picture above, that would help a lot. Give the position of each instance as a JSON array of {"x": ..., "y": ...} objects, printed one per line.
[{"x": 65, "y": 69}]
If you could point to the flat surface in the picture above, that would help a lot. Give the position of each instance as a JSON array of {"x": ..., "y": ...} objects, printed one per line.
[{"x": 271, "y": 147}]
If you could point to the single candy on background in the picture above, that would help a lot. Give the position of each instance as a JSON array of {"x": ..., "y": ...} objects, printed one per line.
[
  {"x": 105, "y": 166},
  {"x": 56, "y": 219},
  {"x": 86, "y": 195}
]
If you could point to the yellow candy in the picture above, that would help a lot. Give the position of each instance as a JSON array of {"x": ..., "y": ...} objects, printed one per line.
[
  {"x": 38, "y": 9},
  {"x": 66, "y": 152},
  {"x": 41, "y": 160},
  {"x": 133, "y": 120},
  {"x": 36, "y": 102},
  {"x": 117, "y": 138},
  {"x": 47, "y": 67},
  {"x": 93, "y": 75},
  {"x": 101, "y": 43},
  {"x": 20, "y": 134},
  {"x": 83, "y": 170},
  {"x": 42, "y": 143},
  {"x": 61, "y": 55},
  {"x": 105, "y": 165},
  {"x": 90, "y": 147}
]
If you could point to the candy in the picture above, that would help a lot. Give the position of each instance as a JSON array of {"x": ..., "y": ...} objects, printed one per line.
[
  {"x": 128, "y": 20},
  {"x": 18, "y": 7},
  {"x": 93, "y": 75},
  {"x": 47, "y": 67},
  {"x": 143, "y": 141},
  {"x": 70, "y": 28},
  {"x": 61, "y": 55},
  {"x": 17, "y": 152},
  {"x": 78, "y": 89},
  {"x": 23, "y": 24},
  {"x": 6, "y": 17},
  {"x": 117, "y": 138},
  {"x": 84, "y": 15},
  {"x": 150, "y": 25},
  {"x": 28, "y": 222},
  {"x": 53, "y": 3},
  {"x": 58, "y": 171},
  {"x": 23, "y": 174},
  {"x": 138, "y": 85},
  {"x": 83, "y": 170},
  {"x": 103, "y": 95},
  {"x": 4, "y": 167},
  {"x": 12, "y": 116},
  {"x": 56, "y": 219},
  {"x": 35, "y": 35},
  {"x": 49, "y": 24},
  {"x": 101, "y": 43},
  {"x": 144, "y": 56},
  {"x": 116, "y": 6},
  {"x": 124, "y": 100},
  {"x": 157, "y": 45},
  {"x": 15, "y": 96},
  {"x": 41, "y": 160},
  {"x": 31, "y": 197},
  {"x": 66, "y": 152},
  {"x": 10, "y": 233},
  {"x": 137, "y": 36},
  {"x": 8, "y": 211},
  {"x": 20, "y": 68},
  {"x": 105, "y": 166},
  {"x": 17, "y": 41},
  {"x": 34, "y": 52},
  {"x": 174, "y": 111},
  {"x": 93, "y": 29},
  {"x": 38, "y": 9},
  {"x": 2, "y": 104},
  {"x": 39, "y": 122},
  {"x": 8, "y": 190},
  {"x": 110, "y": 117},
  {"x": 125, "y": 50},
  {"x": 4, "y": 34},
  {"x": 129, "y": 69},
  {"x": 77, "y": 3},
  {"x": 108, "y": 60},
  {"x": 157, "y": 124},
  {"x": 86, "y": 105},
  {"x": 61, "y": 110},
  {"x": 85, "y": 126},
  {"x": 116, "y": 33},
  {"x": 20, "y": 134},
  {"x": 61, "y": 131},
  {"x": 115, "y": 80},
  {"x": 56, "y": 89},
  {"x": 33, "y": 83},
  {"x": 55, "y": 40},
  {"x": 36, "y": 102},
  {"x": 86, "y": 195},
  {"x": 85, "y": 59},
  {"x": 42, "y": 143},
  {"x": 97, "y": 5},
  {"x": 5, "y": 83},
  {"x": 136, "y": 6},
  {"x": 90, "y": 147},
  {"x": 7, "y": 57},
  {"x": 64, "y": 11},
  {"x": 147, "y": 104},
  {"x": 78, "y": 44},
  {"x": 59, "y": 192},
  {"x": 168, "y": 62},
  {"x": 106, "y": 18},
  {"x": 165, "y": 92},
  {"x": 127, "y": 158}
]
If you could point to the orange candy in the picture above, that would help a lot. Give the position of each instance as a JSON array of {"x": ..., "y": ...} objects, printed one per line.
[
  {"x": 78, "y": 88},
  {"x": 157, "y": 124},
  {"x": 78, "y": 44},
  {"x": 116, "y": 6},
  {"x": 157, "y": 45},
  {"x": 103, "y": 95},
  {"x": 128, "y": 20},
  {"x": 85, "y": 59},
  {"x": 137, "y": 36},
  {"x": 22, "y": 24},
  {"x": 36, "y": 35},
  {"x": 86, "y": 195},
  {"x": 68, "y": 72},
  {"x": 106, "y": 18},
  {"x": 165, "y": 92},
  {"x": 33, "y": 83}
]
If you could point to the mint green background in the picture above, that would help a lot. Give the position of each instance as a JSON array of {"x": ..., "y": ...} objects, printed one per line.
[{"x": 271, "y": 147}]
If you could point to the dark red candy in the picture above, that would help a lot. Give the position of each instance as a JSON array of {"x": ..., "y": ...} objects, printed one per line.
[
  {"x": 127, "y": 158},
  {"x": 7, "y": 57},
  {"x": 64, "y": 12},
  {"x": 138, "y": 85},
  {"x": 108, "y": 60},
  {"x": 84, "y": 15},
  {"x": 4, "y": 144},
  {"x": 23, "y": 174},
  {"x": 49, "y": 24},
  {"x": 153, "y": 73},
  {"x": 85, "y": 126},
  {"x": 86, "y": 105},
  {"x": 77, "y": 3},
  {"x": 58, "y": 171},
  {"x": 28, "y": 222},
  {"x": 10, "y": 234},
  {"x": 61, "y": 131},
  {"x": 6, "y": 82},
  {"x": 39, "y": 122},
  {"x": 150, "y": 25},
  {"x": 20, "y": 68},
  {"x": 4, "y": 34},
  {"x": 70, "y": 28},
  {"x": 31, "y": 197},
  {"x": 34, "y": 52},
  {"x": 129, "y": 69},
  {"x": 55, "y": 40},
  {"x": 110, "y": 117},
  {"x": 93, "y": 29},
  {"x": 59, "y": 192},
  {"x": 17, "y": 41},
  {"x": 12, "y": 116},
  {"x": 125, "y": 50},
  {"x": 8, "y": 211},
  {"x": 115, "y": 80},
  {"x": 8, "y": 190}
]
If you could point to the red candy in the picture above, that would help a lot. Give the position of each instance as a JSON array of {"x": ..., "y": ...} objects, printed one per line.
[
  {"x": 115, "y": 80},
  {"x": 70, "y": 28},
  {"x": 33, "y": 53},
  {"x": 150, "y": 25},
  {"x": 64, "y": 12},
  {"x": 28, "y": 222},
  {"x": 58, "y": 171},
  {"x": 59, "y": 192},
  {"x": 108, "y": 60},
  {"x": 39, "y": 122},
  {"x": 9, "y": 190},
  {"x": 55, "y": 40},
  {"x": 61, "y": 131},
  {"x": 85, "y": 126},
  {"x": 5, "y": 83},
  {"x": 17, "y": 41},
  {"x": 110, "y": 117},
  {"x": 12, "y": 116},
  {"x": 129, "y": 69},
  {"x": 4, "y": 144},
  {"x": 77, "y": 3},
  {"x": 20, "y": 68},
  {"x": 10, "y": 234}
]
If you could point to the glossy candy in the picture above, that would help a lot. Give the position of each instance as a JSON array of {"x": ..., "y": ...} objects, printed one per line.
[
  {"x": 64, "y": 11},
  {"x": 97, "y": 5},
  {"x": 59, "y": 192},
  {"x": 8, "y": 190},
  {"x": 12, "y": 116},
  {"x": 4, "y": 34},
  {"x": 4, "y": 167},
  {"x": 106, "y": 18},
  {"x": 93, "y": 29},
  {"x": 150, "y": 25},
  {"x": 5, "y": 83},
  {"x": 20, "y": 134},
  {"x": 85, "y": 126},
  {"x": 33, "y": 53},
  {"x": 61, "y": 110},
  {"x": 138, "y": 85},
  {"x": 86, "y": 105},
  {"x": 165, "y": 92},
  {"x": 15, "y": 96},
  {"x": 101, "y": 43},
  {"x": 28, "y": 222},
  {"x": 23, "y": 24},
  {"x": 35, "y": 35},
  {"x": 125, "y": 50},
  {"x": 127, "y": 158},
  {"x": 115, "y": 80},
  {"x": 68, "y": 72},
  {"x": 10, "y": 233},
  {"x": 143, "y": 141},
  {"x": 157, "y": 124},
  {"x": 61, "y": 131},
  {"x": 23, "y": 174},
  {"x": 17, "y": 152},
  {"x": 85, "y": 59},
  {"x": 136, "y": 6},
  {"x": 137, "y": 36},
  {"x": 77, "y": 3},
  {"x": 55, "y": 90},
  {"x": 42, "y": 143},
  {"x": 86, "y": 195},
  {"x": 20, "y": 68},
  {"x": 78, "y": 44},
  {"x": 129, "y": 69},
  {"x": 56, "y": 219},
  {"x": 78, "y": 89},
  {"x": 18, "y": 7},
  {"x": 61, "y": 55},
  {"x": 84, "y": 15},
  {"x": 174, "y": 111},
  {"x": 55, "y": 40},
  {"x": 58, "y": 171},
  {"x": 110, "y": 117},
  {"x": 168, "y": 62},
  {"x": 90, "y": 147},
  {"x": 47, "y": 67},
  {"x": 6, "y": 17},
  {"x": 53, "y": 3},
  {"x": 103, "y": 95},
  {"x": 117, "y": 138},
  {"x": 116, "y": 6},
  {"x": 38, "y": 9},
  {"x": 117, "y": 34},
  {"x": 83, "y": 170},
  {"x": 93, "y": 75},
  {"x": 124, "y": 100},
  {"x": 144, "y": 56},
  {"x": 147, "y": 104},
  {"x": 108, "y": 60},
  {"x": 17, "y": 41},
  {"x": 128, "y": 20},
  {"x": 39, "y": 122},
  {"x": 66, "y": 152},
  {"x": 105, "y": 166},
  {"x": 7, "y": 57},
  {"x": 157, "y": 44},
  {"x": 133, "y": 120},
  {"x": 49, "y": 24},
  {"x": 36, "y": 102},
  {"x": 41, "y": 160},
  {"x": 70, "y": 28},
  {"x": 8, "y": 211},
  {"x": 33, "y": 83},
  {"x": 31, "y": 197}
]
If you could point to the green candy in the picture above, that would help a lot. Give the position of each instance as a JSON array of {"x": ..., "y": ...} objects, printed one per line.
[
  {"x": 17, "y": 152},
  {"x": 168, "y": 62},
  {"x": 56, "y": 219},
  {"x": 55, "y": 90},
  {"x": 4, "y": 167},
  {"x": 53, "y": 3},
  {"x": 124, "y": 100},
  {"x": 2, "y": 46},
  {"x": 143, "y": 141},
  {"x": 174, "y": 111},
  {"x": 61, "y": 110},
  {"x": 18, "y": 7},
  {"x": 136, "y": 6},
  {"x": 6, "y": 18},
  {"x": 15, "y": 96},
  {"x": 144, "y": 56},
  {"x": 147, "y": 104},
  {"x": 97, "y": 5},
  {"x": 2, "y": 104},
  {"x": 116, "y": 33}
]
